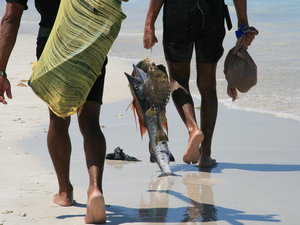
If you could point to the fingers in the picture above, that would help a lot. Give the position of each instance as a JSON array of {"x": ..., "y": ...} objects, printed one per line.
[
  {"x": 232, "y": 93},
  {"x": 8, "y": 93},
  {"x": 2, "y": 100},
  {"x": 5, "y": 88},
  {"x": 2, "y": 90},
  {"x": 253, "y": 30},
  {"x": 148, "y": 45},
  {"x": 149, "y": 37},
  {"x": 150, "y": 42},
  {"x": 251, "y": 33},
  {"x": 248, "y": 39}
]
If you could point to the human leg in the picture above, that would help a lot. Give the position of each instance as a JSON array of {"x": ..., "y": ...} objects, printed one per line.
[
  {"x": 206, "y": 82},
  {"x": 179, "y": 79},
  {"x": 95, "y": 148},
  {"x": 59, "y": 147}
]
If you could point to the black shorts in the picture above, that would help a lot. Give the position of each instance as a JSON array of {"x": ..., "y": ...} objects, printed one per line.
[
  {"x": 189, "y": 23},
  {"x": 96, "y": 92}
]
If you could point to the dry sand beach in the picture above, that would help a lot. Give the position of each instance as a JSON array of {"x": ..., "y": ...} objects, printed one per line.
[{"x": 256, "y": 180}]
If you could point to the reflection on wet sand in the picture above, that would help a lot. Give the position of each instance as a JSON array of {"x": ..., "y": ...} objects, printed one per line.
[
  {"x": 201, "y": 198},
  {"x": 159, "y": 200},
  {"x": 182, "y": 200}
]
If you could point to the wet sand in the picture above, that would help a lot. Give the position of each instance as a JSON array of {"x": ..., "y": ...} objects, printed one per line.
[{"x": 255, "y": 181}]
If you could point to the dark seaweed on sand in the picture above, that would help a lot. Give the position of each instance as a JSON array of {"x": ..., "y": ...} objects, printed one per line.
[{"x": 119, "y": 154}]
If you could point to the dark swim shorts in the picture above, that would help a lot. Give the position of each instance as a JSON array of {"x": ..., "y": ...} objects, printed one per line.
[
  {"x": 190, "y": 23},
  {"x": 96, "y": 92}
]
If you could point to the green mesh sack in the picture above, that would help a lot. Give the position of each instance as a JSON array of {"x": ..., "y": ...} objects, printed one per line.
[{"x": 80, "y": 39}]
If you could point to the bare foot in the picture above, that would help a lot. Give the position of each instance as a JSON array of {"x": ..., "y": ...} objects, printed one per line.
[
  {"x": 95, "y": 210},
  {"x": 192, "y": 154},
  {"x": 63, "y": 199},
  {"x": 206, "y": 162}
]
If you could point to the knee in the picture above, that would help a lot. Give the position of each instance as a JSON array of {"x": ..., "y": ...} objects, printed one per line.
[
  {"x": 88, "y": 125},
  {"x": 206, "y": 78},
  {"x": 58, "y": 122},
  {"x": 179, "y": 86},
  {"x": 209, "y": 88},
  {"x": 209, "y": 95}
]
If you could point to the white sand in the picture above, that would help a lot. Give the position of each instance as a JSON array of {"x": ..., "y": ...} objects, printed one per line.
[
  {"x": 27, "y": 185},
  {"x": 255, "y": 182}
]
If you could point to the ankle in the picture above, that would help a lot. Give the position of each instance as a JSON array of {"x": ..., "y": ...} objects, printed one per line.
[
  {"x": 194, "y": 131},
  {"x": 93, "y": 189},
  {"x": 68, "y": 189}
]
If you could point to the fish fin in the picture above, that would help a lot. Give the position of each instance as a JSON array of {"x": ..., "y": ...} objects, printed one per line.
[
  {"x": 171, "y": 157},
  {"x": 134, "y": 112},
  {"x": 161, "y": 136},
  {"x": 130, "y": 105},
  {"x": 137, "y": 111},
  {"x": 136, "y": 108},
  {"x": 164, "y": 174},
  {"x": 164, "y": 122},
  {"x": 142, "y": 129},
  {"x": 133, "y": 107}
]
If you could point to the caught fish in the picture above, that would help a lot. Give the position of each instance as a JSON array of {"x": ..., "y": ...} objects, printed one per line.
[{"x": 150, "y": 89}]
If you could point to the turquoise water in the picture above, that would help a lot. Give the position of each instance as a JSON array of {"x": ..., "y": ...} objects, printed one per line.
[{"x": 275, "y": 51}]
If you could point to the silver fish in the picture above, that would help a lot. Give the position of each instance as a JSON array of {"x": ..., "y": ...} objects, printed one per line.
[{"x": 151, "y": 90}]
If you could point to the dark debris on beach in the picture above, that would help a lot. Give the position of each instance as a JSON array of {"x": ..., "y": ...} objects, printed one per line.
[{"x": 119, "y": 154}]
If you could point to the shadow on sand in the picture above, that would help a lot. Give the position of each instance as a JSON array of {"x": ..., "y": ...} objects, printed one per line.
[{"x": 196, "y": 212}]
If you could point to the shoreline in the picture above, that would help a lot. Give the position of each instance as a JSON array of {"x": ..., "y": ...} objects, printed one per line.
[{"x": 254, "y": 152}]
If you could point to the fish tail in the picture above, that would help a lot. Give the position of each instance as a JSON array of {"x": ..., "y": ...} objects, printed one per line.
[{"x": 164, "y": 174}]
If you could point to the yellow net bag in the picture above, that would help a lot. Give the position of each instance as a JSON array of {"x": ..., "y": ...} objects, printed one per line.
[{"x": 80, "y": 39}]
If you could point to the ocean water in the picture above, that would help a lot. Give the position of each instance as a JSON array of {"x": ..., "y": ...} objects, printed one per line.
[{"x": 275, "y": 51}]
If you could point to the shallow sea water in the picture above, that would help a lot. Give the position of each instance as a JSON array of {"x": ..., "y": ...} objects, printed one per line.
[{"x": 275, "y": 51}]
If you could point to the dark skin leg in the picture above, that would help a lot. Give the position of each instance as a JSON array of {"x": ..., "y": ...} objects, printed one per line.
[
  {"x": 206, "y": 82},
  {"x": 179, "y": 78},
  {"x": 95, "y": 149},
  {"x": 59, "y": 146}
]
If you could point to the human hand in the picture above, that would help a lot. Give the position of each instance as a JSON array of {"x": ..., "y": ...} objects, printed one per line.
[
  {"x": 232, "y": 93},
  {"x": 4, "y": 87},
  {"x": 246, "y": 34},
  {"x": 250, "y": 33},
  {"x": 149, "y": 37}
]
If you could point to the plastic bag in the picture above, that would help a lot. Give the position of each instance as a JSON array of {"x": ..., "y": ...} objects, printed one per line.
[{"x": 239, "y": 68}]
